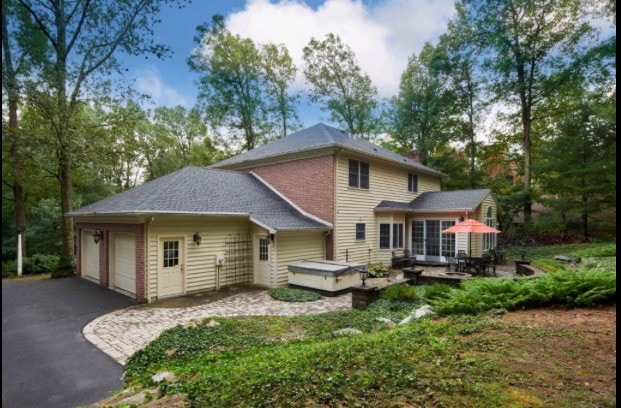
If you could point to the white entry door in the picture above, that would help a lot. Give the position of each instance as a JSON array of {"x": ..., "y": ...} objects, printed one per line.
[
  {"x": 125, "y": 262},
  {"x": 262, "y": 261},
  {"x": 170, "y": 280},
  {"x": 90, "y": 255}
]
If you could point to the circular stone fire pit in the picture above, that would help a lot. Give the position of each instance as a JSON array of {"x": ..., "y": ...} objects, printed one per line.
[{"x": 455, "y": 274}]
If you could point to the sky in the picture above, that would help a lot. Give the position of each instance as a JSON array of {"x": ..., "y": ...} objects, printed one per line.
[{"x": 383, "y": 34}]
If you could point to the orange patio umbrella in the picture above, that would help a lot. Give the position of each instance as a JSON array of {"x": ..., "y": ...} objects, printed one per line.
[{"x": 471, "y": 226}]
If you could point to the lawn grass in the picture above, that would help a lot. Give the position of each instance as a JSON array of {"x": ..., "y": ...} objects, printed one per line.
[{"x": 548, "y": 251}]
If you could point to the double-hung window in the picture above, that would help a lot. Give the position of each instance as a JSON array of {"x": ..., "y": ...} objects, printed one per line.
[
  {"x": 358, "y": 174},
  {"x": 412, "y": 182},
  {"x": 388, "y": 232},
  {"x": 397, "y": 236},
  {"x": 361, "y": 233},
  {"x": 384, "y": 236}
]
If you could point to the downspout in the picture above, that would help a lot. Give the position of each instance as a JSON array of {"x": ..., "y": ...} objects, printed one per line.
[
  {"x": 325, "y": 245},
  {"x": 147, "y": 223},
  {"x": 336, "y": 192}
]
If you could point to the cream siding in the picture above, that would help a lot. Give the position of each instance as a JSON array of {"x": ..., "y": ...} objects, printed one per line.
[
  {"x": 295, "y": 246},
  {"x": 480, "y": 212},
  {"x": 200, "y": 261},
  {"x": 353, "y": 205}
]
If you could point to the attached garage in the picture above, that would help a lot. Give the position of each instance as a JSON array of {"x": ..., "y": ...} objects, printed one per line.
[
  {"x": 123, "y": 262},
  {"x": 90, "y": 255}
]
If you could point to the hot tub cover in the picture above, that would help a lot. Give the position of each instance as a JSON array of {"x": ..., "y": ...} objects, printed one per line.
[{"x": 324, "y": 268}]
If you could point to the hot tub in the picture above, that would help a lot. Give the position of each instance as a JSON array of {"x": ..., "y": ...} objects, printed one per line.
[{"x": 330, "y": 278}]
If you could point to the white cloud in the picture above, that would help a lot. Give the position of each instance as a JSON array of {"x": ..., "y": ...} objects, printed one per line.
[
  {"x": 150, "y": 82},
  {"x": 382, "y": 36}
]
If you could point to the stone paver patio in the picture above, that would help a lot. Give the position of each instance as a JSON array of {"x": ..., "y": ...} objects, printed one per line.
[{"x": 120, "y": 334}]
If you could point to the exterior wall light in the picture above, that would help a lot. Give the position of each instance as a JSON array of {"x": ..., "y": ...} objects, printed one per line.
[
  {"x": 461, "y": 218},
  {"x": 270, "y": 237},
  {"x": 98, "y": 236},
  {"x": 197, "y": 238}
]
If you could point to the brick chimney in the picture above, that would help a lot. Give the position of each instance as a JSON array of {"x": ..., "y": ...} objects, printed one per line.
[{"x": 415, "y": 155}]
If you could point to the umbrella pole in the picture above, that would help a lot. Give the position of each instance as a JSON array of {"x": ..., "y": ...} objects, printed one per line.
[{"x": 470, "y": 244}]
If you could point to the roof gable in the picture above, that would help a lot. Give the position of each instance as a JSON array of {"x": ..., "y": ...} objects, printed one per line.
[{"x": 317, "y": 137}]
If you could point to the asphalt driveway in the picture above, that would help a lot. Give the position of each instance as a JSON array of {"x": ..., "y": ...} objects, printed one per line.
[{"x": 46, "y": 361}]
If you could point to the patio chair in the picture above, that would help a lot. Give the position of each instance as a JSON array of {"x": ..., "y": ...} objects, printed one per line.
[
  {"x": 460, "y": 260},
  {"x": 451, "y": 262},
  {"x": 397, "y": 261},
  {"x": 410, "y": 260}
]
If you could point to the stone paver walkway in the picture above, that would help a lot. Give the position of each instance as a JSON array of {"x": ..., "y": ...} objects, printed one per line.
[{"x": 120, "y": 334}]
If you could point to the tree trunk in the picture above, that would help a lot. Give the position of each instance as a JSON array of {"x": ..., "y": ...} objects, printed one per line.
[
  {"x": 66, "y": 205},
  {"x": 17, "y": 165},
  {"x": 585, "y": 217}
]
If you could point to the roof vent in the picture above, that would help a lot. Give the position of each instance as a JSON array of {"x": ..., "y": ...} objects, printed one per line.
[{"x": 375, "y": 148}]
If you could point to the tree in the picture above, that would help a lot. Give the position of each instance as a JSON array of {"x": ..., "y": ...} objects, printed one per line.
[
  {"x": 339, "y": 84},
  {"x": 581, "y": 178},
  {"x": 22, "y": 47},
  {"x": 528, "y": 48},
  {"x": 84, "y": 38},
  {"x": 231, "y": 82},
  {"x": 424, "y": 108},
  {"x": 279, "y": 73}
]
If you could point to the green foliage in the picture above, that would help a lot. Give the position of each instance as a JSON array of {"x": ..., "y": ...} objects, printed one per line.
[
  {"x": 242, "y": 87},
  {"x": 377, "y": 270},
  {"x": 587, "y": 287},
  {"x": 399, "y": 292},
  {"x": 598, "y": 251},
  {"x": 205, "y": 344},
  {"x": 436, "y": 291},
  {"x": 9, "y": 268},
  {"x": 64, "y": 268},
  {"x": 40, "y": 263},
  {"x": 293, "y": 295},
  {"x": 35, "y": 264},
  {"x": 338, "y": 83},
  {"x": 547, "y": 251}
]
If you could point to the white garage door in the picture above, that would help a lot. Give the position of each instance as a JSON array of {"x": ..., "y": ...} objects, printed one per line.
[
  {"x": 125, "y": 262},
  {"x": 90, "y": 255}
]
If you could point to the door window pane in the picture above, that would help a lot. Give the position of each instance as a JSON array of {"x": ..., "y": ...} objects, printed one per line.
[
  {"x": 263, "y": 249},
  {"x": 448, "y": 240},
  {"x": 418, "y": 237},
  {"x": 171, "y": 254},
  {"x": 433, "y": 238}
]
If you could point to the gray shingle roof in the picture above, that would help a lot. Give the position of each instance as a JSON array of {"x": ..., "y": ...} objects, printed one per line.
[
  {"x": 320, "y": 136},
  {"x": 439, "y": 201},
  {"x": 449, "y": 200},
  {"x": 196, "y": 190}
]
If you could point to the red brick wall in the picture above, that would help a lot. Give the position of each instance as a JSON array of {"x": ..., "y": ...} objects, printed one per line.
[
  {"x": 104, "y": 253},
  {"x": 309, "y": 183}
]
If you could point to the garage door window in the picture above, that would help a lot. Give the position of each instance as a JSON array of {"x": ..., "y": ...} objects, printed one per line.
[{"x": 171, "y": 253}]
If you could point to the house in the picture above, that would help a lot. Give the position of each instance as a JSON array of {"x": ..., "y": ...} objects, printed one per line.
[{"x": 314, "y": 194}]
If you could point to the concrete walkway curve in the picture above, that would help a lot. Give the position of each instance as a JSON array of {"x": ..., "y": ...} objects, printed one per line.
[{"x": 121, "y": 333}]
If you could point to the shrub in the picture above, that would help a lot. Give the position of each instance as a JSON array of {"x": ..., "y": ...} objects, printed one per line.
[
  {"x": 377, "y": 270},
  {"x": 597, "y": 252},
  {"x": 293, "y": 295},
  {"x": 587, "y": 287},
  {"x": 39, "y": 263},
  {"x": 9, "y": 268},
  {"x": 63, "y": 268},
  {"x": 400, "y": 292},
  {"x": 436, "y": 291}
]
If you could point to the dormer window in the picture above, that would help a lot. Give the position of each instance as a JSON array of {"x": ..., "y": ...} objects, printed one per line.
[{"x": 358, "y": 174}]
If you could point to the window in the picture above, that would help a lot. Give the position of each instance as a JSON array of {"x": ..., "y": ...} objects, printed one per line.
[
  {"x": 361, "y": 233},
  {"x": 171, "y": 254},
  {"x": 384, "y": 236},
  {"x": 263, "y": 249},
  {"x": 489, "y": 239},
  {"x": 448, "y": 240},
  {"x": 412, "y": 182},
  {"x": 397, "y": 236},
  {"x": 358, "y": 174}
]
